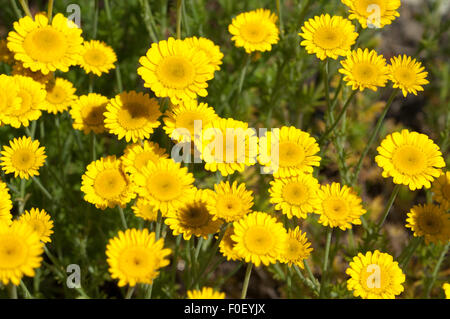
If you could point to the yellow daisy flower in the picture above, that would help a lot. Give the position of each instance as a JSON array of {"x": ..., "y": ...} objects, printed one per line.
[
  {"x": 104, "y": 184},
  {"x": 328, "y": 36},
  {"x": 429, "y": 221},
  {"x": 296, "y": 152},
  {"x": 60, "y": 95},
  {"x": 143, "y": 209},
  {"x": 259, "y": 238},
  {"x": 38, "y": 76},
  {"x": 138, "y": 155},
  {"x": 97, "y": 57},
  {"x": 6, "y": 56},
  {"x": 40, "y": 222},
  {"x": 194, "y": 218},
  {"x": 295, "y": 195},
  {"x": 132, "y": 115},
  {"x": 407, "y": 74},
  {"x": 446, "y": 287},
  {"x": 339, "y": 206},
  {"x": 174, "y": 69},
  {"x": 182, "y": 117},
  {"x": 230, "y": 202},
  {"x": 365, "y": 69},
  {"x": 226, "y": 245},
  {"x": 45, "y": 47},
  {"x": 255, "y": 30},
  {"x": 165, "y": 184},
  {"x": 32, "y": 94},
  {"x": 5, "y": 204},
  {"x": 441, "y": 190},
  {"x": 227, "y": 146},
  {"x": 296, "y": 248},
  {"x": 87, "y": 113},
  {"x": 375, "y": 275},
  {"x": 373, "y": 13},
  {"x": 211, "y": 50},
  {"x": 20, "y": 252},
  {"x": 135, "y": 257},
  {"x": 205, "y": 293},
  {"x": 23, "y": 157},
  {"x": 9, "y": 97},
  {"x": 410, "y": 158}
]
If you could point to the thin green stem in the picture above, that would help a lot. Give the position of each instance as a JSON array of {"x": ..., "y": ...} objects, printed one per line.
[
  {"x": 327, "y": 91},
  {"x": 25, "y": 7},
  {"x": 50, "y": 11},
  {"x": 12, "y": 291},
  {"x": 306, "y": 281},
  {"x": 336, "y": 122},
  {"x": 23, "y": 184},
  {"x": 436, "y": 270},
  {"x": 95, "y": 20},
  {"x": 241, "y": 80},
  {"x": 93, "y": 146},
  {"x": 158, "y": 225},
  {"x": 117, "y": 69},
  {"x": 16, "y": 9},
  {"x": 280, "y": 17},
  {"x": 325, "y": 263},
  {"x": 122, "y": 218},
  {"x": 42, "y": 188},
  {"x": 310, "y": 274},
  {"x": 374, "y": 135},
  {"x": 388, "y": 207},
  {"x": 179, "y": 4},
  {"x": 248, "y": 272},
  {"x": 147, "y": 16},
  {"x": 198, "y": 248},
  {"x": 130, "y": 292},
  {"x": 26, "y": 292},
  {"x": 409, "y": 252}
]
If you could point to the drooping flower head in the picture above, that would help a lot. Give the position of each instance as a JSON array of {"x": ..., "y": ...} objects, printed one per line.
[
  {"x": 296, "y": 248},
  {"x": 40, "y": 222},
  {"x": 97, "y": 57},
  {"x": 410, "y": 158},
  {"x": 407, "y": 74},
  {"x": 429, "y": 221},
  {"x": 373, "y": 13},
  {"x": 143, "y": 209}
]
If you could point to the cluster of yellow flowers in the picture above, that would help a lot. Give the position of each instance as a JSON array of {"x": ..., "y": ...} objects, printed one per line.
[{"x": 163, "y": 190}]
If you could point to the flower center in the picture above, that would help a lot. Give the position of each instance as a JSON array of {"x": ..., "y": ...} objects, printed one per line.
[
  {"x": 176, "y": 72},
  {"x": 164, "y": 186},
  {"x": 374, "y": 278},
  {"x": 253, "y": 32},
  {"x": 409, "y": 160},
  {"x": 328, "y": 38},
  {"x": 194, "y": 216},
  {"x": 335, "y": 208},
  {"x": 229, "y": 205},
  {"x": 290, "y": 154},
  {"x": 295, "y": 193},
  {"x": 13, "y": 252},
  {"x": 136, "y": 262},
  {"x": 258, "y": 240},
  {"x": 110, "y": 183},
  {"x": 367, "y": 8},
  {"x": 405, "y": 76},
  {"x": 186, "y": 120},
  {"x": 95, "y": 57},
  {"x": 429, "y": 223},
  {"x": 56, "y": 95},
  {"x": 26, "y": 103},
  {"x": 133, "y": 116},
  {"x": 293, "y": 249},
  {"x": 45, "y": 44},
  {"x": 143, "y": 158},
  {"x": 365, "y": 72},
  {"x": 23, "y": 159},
  {"x": 93, "y": 115}
]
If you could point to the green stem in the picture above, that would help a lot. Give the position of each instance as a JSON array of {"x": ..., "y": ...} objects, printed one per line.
[
  {"x": 22, "y": 196},
  {"x": 130, "y": 292},
  {"x": 436, "y": 270},
  {"x": 336, "y": 122},
  {"x": 12, "y": 291},
  {"x": 327, "y": 91},
  {"x": 310, "y": 274},
  {"x": 26, "y": 8},
  {"x": 388, "y": 207},
  {"x": 374, "y": 135},
  {"x": 93, "y": 146},
  {"x": 26, "y": 292},
  {"x": 280, "y": 16},
  {"x": 325, "y": 263},
  {"x": 42, "y": 188},
  {"x": 199, "y": 247},
  {"x": 409, "y": 252},
  {"x": 16, "y": 9},
  {"x": 241, "y": 80},
  {"x": 122, "y": 217},
  {"x": 306, "y": 281},
  {"x": 50, "y": 11},
  {"x": 248, "y": 272},
  {"x": 158, "y": 226},
  {"x": 117, "y": 69},
  {"x": 147, "y": 16},
  {"x": 179, "y": 4},
  {"x": 95, "y": 26}
]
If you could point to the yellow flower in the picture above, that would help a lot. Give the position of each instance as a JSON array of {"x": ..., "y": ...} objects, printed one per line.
[
  {"x": 165, "y": 184},
  {"x": 9, "y": 97},
  {"x": 211, "y": 50},
  {"x": 373, "y": 13},
  {"x": 194, "y": 218},
  {"x": 40, "y": 222},
  {"x": 365, "y": 69},
  {"x": 296, "y": 152},
  {"x": 97, "y": 57},
  {"x": 23, "y": 157},
  {"x": 60, "y": 95},
  {"x": 205, "y": 293},
  {"x": 230, "y": 202},
  {"x": 174, "y": 69},
  {"x": 407, "y": 74},
  {"x": 144, "y": 210},
  {"x": 296, "y": 195},
  {"x": 135, "y": 257},
  {"x": 446, "y": 287},
  {"x": 429, "y": 221},
  {"x": 45, "y": 47},
  {"x": 182, "y": 117},
  {"x": 328, "y": 36},
  {"x": 227, "y": 146},
  {"x": 259, "y": 238},
  {"x": 226, "y": 245},
  {"x": 255, "y": 30},
  {"x": 20, "y": 252},
  {"x": 296, "y": 248},
  {"x": 410, "y": 158},
  {"x": 5, "y": 204},
  {"x": 138, "y": 155},
  {"x": 339, "y": 206},
  {"x": 6, "y": 56},
  {"x": 87, "y": 113},
  {"x": 104, "y": 184},
  {"x": 375, "y": 275},
  {"x": 38, "y": 76},
  {"x": 441, "y": 190},
  {"x": 32, "y": 94},
  {"x": 132, "y": 115}
]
